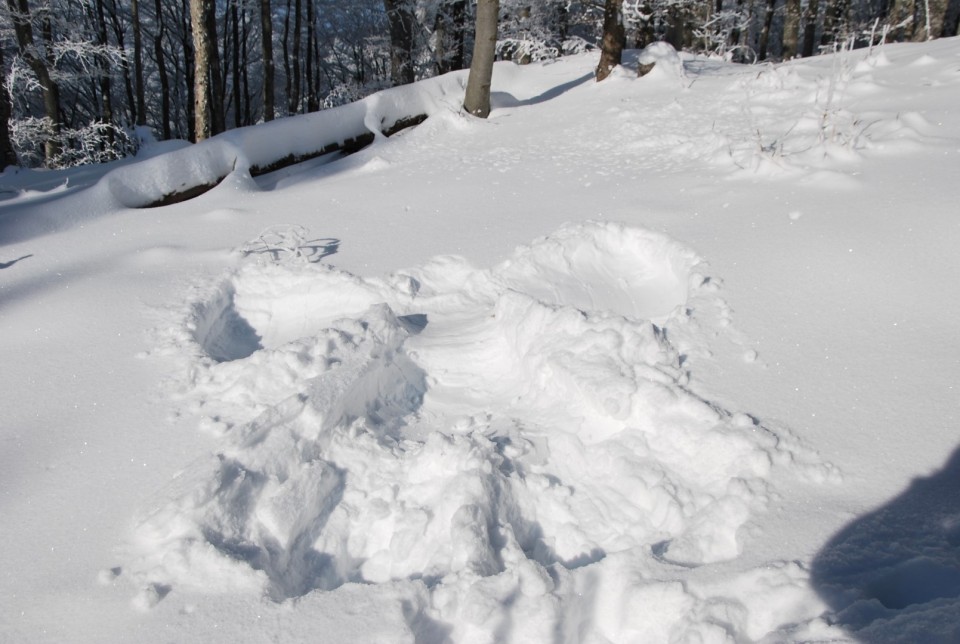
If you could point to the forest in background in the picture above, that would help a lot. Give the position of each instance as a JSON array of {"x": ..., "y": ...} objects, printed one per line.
[{"x": 88, "y": 80}]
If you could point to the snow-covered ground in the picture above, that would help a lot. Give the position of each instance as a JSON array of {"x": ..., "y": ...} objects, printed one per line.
[{"x": 668, "y": 359}]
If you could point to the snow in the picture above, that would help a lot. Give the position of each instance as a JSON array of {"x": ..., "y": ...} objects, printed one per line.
[{"x": 669, "y": 358}]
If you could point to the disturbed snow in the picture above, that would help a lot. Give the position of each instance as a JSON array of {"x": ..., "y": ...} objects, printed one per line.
[
  {"x": 520, "y": 440},
  {"x": 576, "y": 441}
]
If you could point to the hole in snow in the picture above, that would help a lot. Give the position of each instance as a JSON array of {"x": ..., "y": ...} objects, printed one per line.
[
  {"x": 221, "y": 331},
  {"x": 604, "y": 267},
  {"x": 269, "y": 306}
]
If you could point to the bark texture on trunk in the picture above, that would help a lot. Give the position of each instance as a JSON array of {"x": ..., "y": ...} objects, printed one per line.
[
  {"x": 614, "y": 38},
  {"x": 477, "y": 99}
]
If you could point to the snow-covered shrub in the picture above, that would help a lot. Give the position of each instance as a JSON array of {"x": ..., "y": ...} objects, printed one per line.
[{"x": 97, "y": 142}]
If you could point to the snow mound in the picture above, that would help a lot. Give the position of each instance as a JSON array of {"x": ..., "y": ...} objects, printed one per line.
[
  {"x": 521, "y": 437},
  {"x": 665, "y": 60}
]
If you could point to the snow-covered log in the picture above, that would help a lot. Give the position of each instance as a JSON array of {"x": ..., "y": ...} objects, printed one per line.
[{"x": 189, "y": 172}]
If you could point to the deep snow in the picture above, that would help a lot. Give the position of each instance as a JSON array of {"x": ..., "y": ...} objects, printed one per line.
[{"x": 658, "y": 359}]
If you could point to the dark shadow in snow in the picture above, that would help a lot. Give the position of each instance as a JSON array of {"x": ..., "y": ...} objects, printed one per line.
[
  {"x": 294, "y": 568},
  {"x": 414, "y": 323},
  {"x": 426, "y": 630},
  {"x": 506, "y": 99},
  {"x": 894, "y": 574},
  {"x": 231, "y": 337},
  {"x": 276, "y": 179},
  {"x": 4, "y": 265},
  {"x": 313, "y": 250}
]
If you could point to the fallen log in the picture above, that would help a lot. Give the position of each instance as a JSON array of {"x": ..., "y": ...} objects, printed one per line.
[
  {"x": 347, "y": 146},
  {"x": 187, "y": 172}
]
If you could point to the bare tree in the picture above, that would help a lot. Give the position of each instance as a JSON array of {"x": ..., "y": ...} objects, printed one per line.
[
  {"x": 138, "y": 62},
  {"x": 266, "y": 40},
  {"x": 477, "y": 98},
  {"x": 448, "y": 30},
  {"x": 402, "y": 21},
  {"x": 201, "y": 76},
  {"x": 765, "y": 29},
  {"x": 614, "y": 38},
  {"x": 7, "y": 155},
  {"x": 791, "y": 30},
  {"x": 23, "y": 27}
]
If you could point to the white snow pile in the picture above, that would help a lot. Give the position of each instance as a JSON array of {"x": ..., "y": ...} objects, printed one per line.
[{"x": 519, "y": 438}]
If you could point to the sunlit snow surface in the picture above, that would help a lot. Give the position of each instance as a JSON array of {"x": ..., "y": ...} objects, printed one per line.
[
  {"x": 669, "y": 359},
  {"x": 522, "y": 433}
]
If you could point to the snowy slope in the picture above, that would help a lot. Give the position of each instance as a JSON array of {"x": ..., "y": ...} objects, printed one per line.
[{"x": 658, "y": 359}]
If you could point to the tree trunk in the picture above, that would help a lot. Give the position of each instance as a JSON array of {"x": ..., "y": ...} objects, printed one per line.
[
  {"x": 105, "y": 89},
  {"x": 614, "y": 38},
  {"x": 118, "y": 32},
  {"x": 217, "y": 121},
  {"x": 295, "y": 89},
  {"x": 313, "y": 104},
  {"x": 951, "y": 24},
  {"x": 834, "y": 22},
  {"x": 138, "y": 62},
  {"x": 765, "y": 30},
  {"x": 401, "y": 19},
  {"x": 201, "y": 66},
  {"x": 810, "y": 28},
  {"x": 244, "y": 58},
  {"x": 7, "y": 156},
  {"x": 477, "y": 98},
  {"x": 266, "y": 39},
  {"x": 235, "y": 31},
  {"x": 449, "y": 31},
  {"x": 791, "y": 30},
  {"x": 935, "y": 14},
  {"x": 285, "y": 44},
  {"x": 162, "y": 73},
  {"x": 51, "y": 91}
]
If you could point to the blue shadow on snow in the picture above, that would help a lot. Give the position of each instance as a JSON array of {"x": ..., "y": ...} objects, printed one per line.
[{"x": 894, "y": 575}]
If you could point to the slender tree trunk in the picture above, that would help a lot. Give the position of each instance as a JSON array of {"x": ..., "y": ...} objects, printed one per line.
[
  {"x": 7, "y": 156},
  {"x": 201, "y": 67},
  {"x": 162, "y": 73},
  {"x": 791, "y": 30},
  {"x": 285, "y": 44},
  {"x": 266, "y": 32},
  {"x": 105, "y": 89},
  {"x": 401, "y": 19},
  {"x": 833, "y": 22},
  {"x": 51, "y": 91},
  {"x": 313, "y": 104},
  {"x": 118, "y": 33},
  {"x": 138, "y": 62},
  {"x": 217, "y": 121},
  {"x": 935, "y": 18},
  {"x": 765, "y": 30},
  {"x": 614, "y": 38},
  {"x": 189, "y": 54},
  {"x": 295, "y": 89},
  {"x": 450, "y": 29},
  {"x": 810, "y": 28},
  {"x": 951, "y": 24},
  {"x": 244, "y": 58},
  {"x": 477, "y": 98},
  {"x": 235, "y": 25}
]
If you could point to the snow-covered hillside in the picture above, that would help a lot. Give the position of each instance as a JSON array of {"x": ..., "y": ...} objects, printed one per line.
[{"x": 660, "y": 359}]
